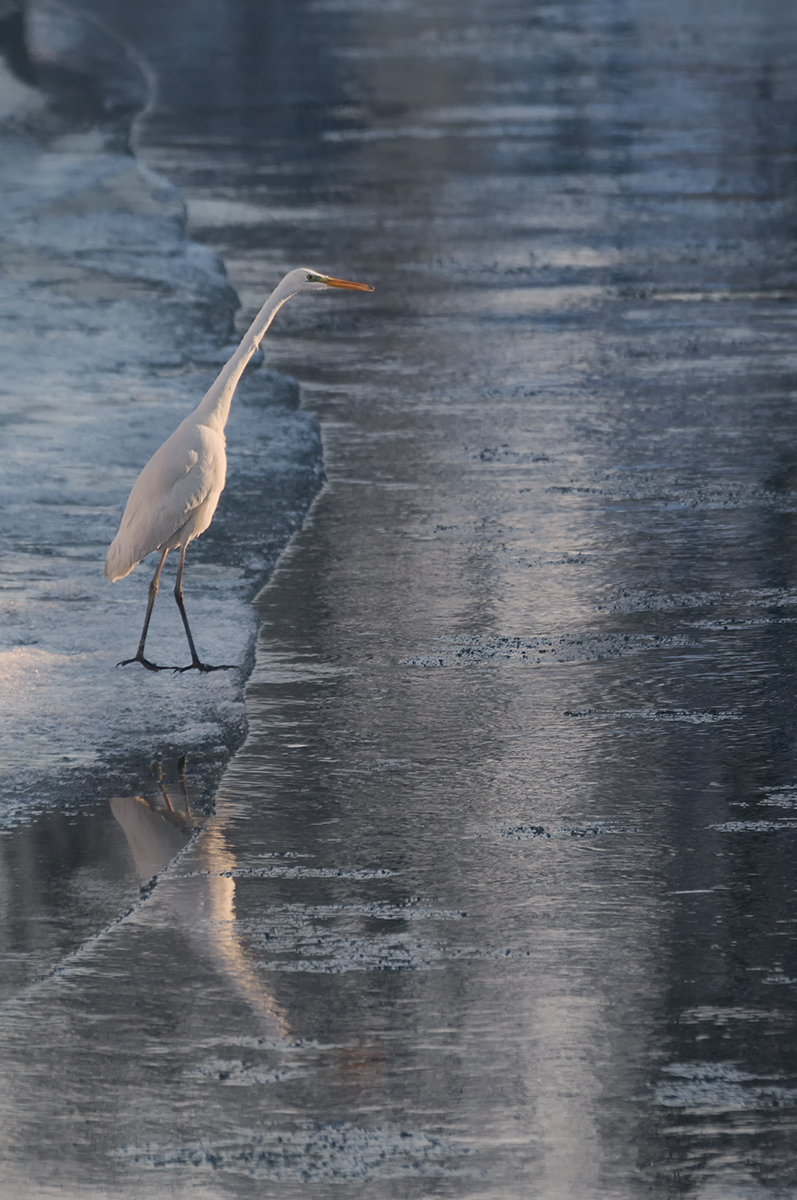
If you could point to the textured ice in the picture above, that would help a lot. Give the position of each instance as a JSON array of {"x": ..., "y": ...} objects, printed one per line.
[
  {"x": 720, "y": 1086},
  {"x": 523, "y": 833},
  {"x": 687, "y": 716},
  {"x": 112, "y": 326},
  {"x": 331, "y": 939},
  {"x": 469, "y": 649},
  {"x": 785, "y": 826},
  {"x": 233, "y": 1072},
  {"x": 280, "y": 872},
  {"x": 313, "y": 1152}
]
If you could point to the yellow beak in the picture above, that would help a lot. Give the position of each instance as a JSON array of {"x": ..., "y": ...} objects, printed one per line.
[{"x": 347, "y": 283}]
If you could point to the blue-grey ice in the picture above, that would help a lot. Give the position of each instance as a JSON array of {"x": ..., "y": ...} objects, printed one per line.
[{"x": 112, "y": 325}]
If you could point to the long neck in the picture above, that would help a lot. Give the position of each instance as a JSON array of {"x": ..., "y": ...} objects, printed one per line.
[{"x": 214, "y": 408}]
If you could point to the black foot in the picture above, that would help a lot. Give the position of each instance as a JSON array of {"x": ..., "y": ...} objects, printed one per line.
[
  {"x": 204, "y": 668},
  {"x": 150, "y": 666}
]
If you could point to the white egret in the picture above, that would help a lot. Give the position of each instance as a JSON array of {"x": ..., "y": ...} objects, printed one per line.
[{"x": 175, "y": 496}]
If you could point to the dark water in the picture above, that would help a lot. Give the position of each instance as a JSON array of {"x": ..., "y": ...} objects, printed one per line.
[{"x": 499, "y": 898}]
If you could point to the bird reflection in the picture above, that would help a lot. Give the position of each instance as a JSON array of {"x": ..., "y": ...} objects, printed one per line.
[
  {"x": 202, "y": 899},
  {"x": 156, "y": 833}
]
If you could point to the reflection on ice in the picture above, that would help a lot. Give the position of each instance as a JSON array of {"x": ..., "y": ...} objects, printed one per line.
[
  {"x": 205, "y": 906},
  {"x": 155, "y": 836},
  {"x": 202, "y": 902},
  {"x": 156, "y": 833}
]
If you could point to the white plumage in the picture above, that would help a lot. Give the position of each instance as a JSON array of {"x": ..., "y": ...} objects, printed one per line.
[{"x": 174, "y": 498}]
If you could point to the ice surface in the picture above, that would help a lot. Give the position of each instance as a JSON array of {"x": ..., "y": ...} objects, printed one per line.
[{"x": 112, "y": 326}]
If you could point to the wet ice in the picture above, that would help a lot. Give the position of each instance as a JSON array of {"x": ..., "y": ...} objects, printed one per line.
[{"x": 112, "y": 322}]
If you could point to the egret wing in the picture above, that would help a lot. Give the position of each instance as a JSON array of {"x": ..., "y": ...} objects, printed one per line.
[{"x": 184, "y": 474}]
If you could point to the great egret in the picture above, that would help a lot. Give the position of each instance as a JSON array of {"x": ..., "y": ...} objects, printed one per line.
[{"x": 175, "y": 496}]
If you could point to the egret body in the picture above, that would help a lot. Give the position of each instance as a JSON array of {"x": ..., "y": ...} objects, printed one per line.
[{"x": 175, "y": 496}]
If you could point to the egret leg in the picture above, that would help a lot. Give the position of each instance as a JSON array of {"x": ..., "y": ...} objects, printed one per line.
[
  {"x": 153, "y": 591},
  {"x": 196, "y": 665}
]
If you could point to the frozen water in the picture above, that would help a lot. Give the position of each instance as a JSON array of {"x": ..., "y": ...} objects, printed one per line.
[
  {"x": 112, "y": 325},
  {"x": 447, "y": 899}
]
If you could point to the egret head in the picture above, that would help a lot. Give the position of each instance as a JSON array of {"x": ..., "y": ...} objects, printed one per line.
[{"x": 313, "y": 281}]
